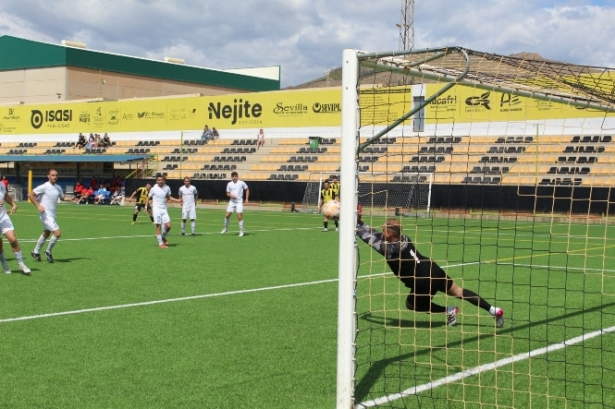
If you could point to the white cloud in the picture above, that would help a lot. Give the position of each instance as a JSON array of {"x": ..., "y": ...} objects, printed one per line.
[{"x": 306, "y": 37}]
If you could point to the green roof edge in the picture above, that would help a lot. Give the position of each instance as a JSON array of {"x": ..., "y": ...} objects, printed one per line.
[{"x": 18, "y": 53}]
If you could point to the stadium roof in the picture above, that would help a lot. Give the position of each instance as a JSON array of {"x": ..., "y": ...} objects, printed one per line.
[
  {"x": 18, "y": 53},
  {"x": 73, "y": 158}
]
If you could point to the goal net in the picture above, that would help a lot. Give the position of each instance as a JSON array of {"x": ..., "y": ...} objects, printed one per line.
[
  {"x": 408, "y": 194},
  {"x": 312, "y": 193},
  {"x": 512, "y": 161}
]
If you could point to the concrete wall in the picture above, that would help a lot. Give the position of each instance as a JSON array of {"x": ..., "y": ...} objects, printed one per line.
[
  {"x": 50, "y": 85},
  {"x": 33, "y": 86}
]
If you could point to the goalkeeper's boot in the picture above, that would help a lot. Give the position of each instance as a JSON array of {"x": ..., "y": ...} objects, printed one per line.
[
  {"x": 499, "y": 317},
  {"x": 451, "y": 316}
]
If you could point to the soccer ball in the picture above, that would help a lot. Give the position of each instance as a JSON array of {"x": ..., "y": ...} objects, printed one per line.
[{"x": 331, "y": 209}]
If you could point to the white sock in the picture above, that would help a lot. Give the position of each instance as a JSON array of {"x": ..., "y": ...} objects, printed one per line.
[
  {"x": 226, "y": 223},
  {"x": 52, "y": 242},
  {"x": 159, "y": 238},
  {"x": 193, "y": 226},
  {"x": 492, "y": 310},
  {"x": 19, "y": 256},
  {"x": 2, "y": 258},
  {"x": 39, "y": 244},
  {"x": 183, "y": 227},
  {"x": 241, "y": 225}
]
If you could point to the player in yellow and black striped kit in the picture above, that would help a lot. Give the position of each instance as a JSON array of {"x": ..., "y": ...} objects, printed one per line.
[
  {"x": 335, "y": 185},
  {"x": 142, "y": 202},
  {"x": 326, "y": 194}
]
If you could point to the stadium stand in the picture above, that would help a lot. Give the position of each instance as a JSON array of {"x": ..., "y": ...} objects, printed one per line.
[{"x": 566, "y": 160}]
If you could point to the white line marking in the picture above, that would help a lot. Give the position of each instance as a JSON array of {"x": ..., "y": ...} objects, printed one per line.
[
  {"x": 198, "y": 234},
  {"x": 188, "y": 298},
  {"x": 599, "y": 270},
  {"x": 483, "y": 368},
  {"x": 145, "y": 303}
]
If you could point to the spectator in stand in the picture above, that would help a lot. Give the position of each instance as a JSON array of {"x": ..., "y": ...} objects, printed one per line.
[
  {"x": 78, "y": 191},
  {"x": 105, "y": 141},
  {"x": 118, "y": 196},
  {"x": 94, "y": 182},
  {"x": 81, "y": 142},
  {"x": 85, "y": 195},
  {"x": 260, "y": 139},
  {"x": 101, "y": 195},
  {"x": 214, "y": 134},
  {"x": 5, "y": 181},
  {"x": 91, "y": 142},
  {"x": 206, "y": 135}
]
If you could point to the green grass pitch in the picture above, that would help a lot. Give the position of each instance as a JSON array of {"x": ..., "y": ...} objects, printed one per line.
[{"x": 218, "y": 321}]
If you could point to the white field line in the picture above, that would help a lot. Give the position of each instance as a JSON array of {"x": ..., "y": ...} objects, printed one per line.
[
  {"x": 538, "y": 266},
  {"x": 137, "y": 236},
  {"x": 200, "y": 296},
  {"x": 484, "y": 368},
  {"x": 170, "y": 300}
]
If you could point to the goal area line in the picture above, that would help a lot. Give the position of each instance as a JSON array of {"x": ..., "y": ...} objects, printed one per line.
[{"x": 484, "y": 368}]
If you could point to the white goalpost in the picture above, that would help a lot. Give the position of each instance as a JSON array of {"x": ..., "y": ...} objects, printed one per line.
[
  {"x": 347, "y": 266},
  {"x": 311, "y": 197}
]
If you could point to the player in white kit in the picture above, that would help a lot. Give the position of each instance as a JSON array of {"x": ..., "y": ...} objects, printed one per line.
[
  {"x": 234, "y": 190},
  {"x": 188, "y": 195},
  {"x": 159, "y": 195},
  {"x": 45, "y": 198},
  {"x": 6, "y": 228}
]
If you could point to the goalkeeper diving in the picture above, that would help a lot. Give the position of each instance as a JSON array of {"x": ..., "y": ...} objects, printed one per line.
[{"x": 420, "y": 274}]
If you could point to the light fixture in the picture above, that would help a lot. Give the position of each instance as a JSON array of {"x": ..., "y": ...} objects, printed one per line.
[
  {"x": 75, "y": 44},
  {"x": 175, "y": 60}
]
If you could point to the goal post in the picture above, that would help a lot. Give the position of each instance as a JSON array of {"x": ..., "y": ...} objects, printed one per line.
[
  {"x": 311, "y": 197},
  {"x": 347, "y": 261},
  {"x": 499, "y": 169}
]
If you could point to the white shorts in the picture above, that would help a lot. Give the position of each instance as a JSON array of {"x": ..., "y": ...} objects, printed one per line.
[
  {"x": 49, "y": 222},
  {"x": 161, "y": 217},
  {"x": 235, "y": 205},
  {"x": 189, "y": 212},
  {"x": 6, "y": 224}
]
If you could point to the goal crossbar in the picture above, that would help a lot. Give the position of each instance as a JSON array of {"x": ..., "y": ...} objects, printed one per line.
[{"x": 583, "y": 97}]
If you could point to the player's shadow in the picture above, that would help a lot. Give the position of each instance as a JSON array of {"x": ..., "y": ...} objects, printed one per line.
[
  {"x": 68, "y": 260},
  {"x": 402, "y": 323},
  {"x": 378, "y": 368}
]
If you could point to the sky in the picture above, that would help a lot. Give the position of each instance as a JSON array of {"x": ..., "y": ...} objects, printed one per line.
[{"x": 307, "y": 37}]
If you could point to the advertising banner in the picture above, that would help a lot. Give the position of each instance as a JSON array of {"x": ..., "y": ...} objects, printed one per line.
[
  {"x": 468, "y": 104},
  {"x": 235, "y": 111},
  {"x": 99, "y": 169},
  {"x": 287, "y": 109}
]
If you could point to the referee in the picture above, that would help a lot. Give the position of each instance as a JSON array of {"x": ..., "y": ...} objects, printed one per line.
[
  {"x": 420, "y": 274},
  {"x": 142, "y": 200}
]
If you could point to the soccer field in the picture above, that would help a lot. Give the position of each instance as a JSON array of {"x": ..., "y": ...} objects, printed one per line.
[{"x": 218, "y": 321}]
